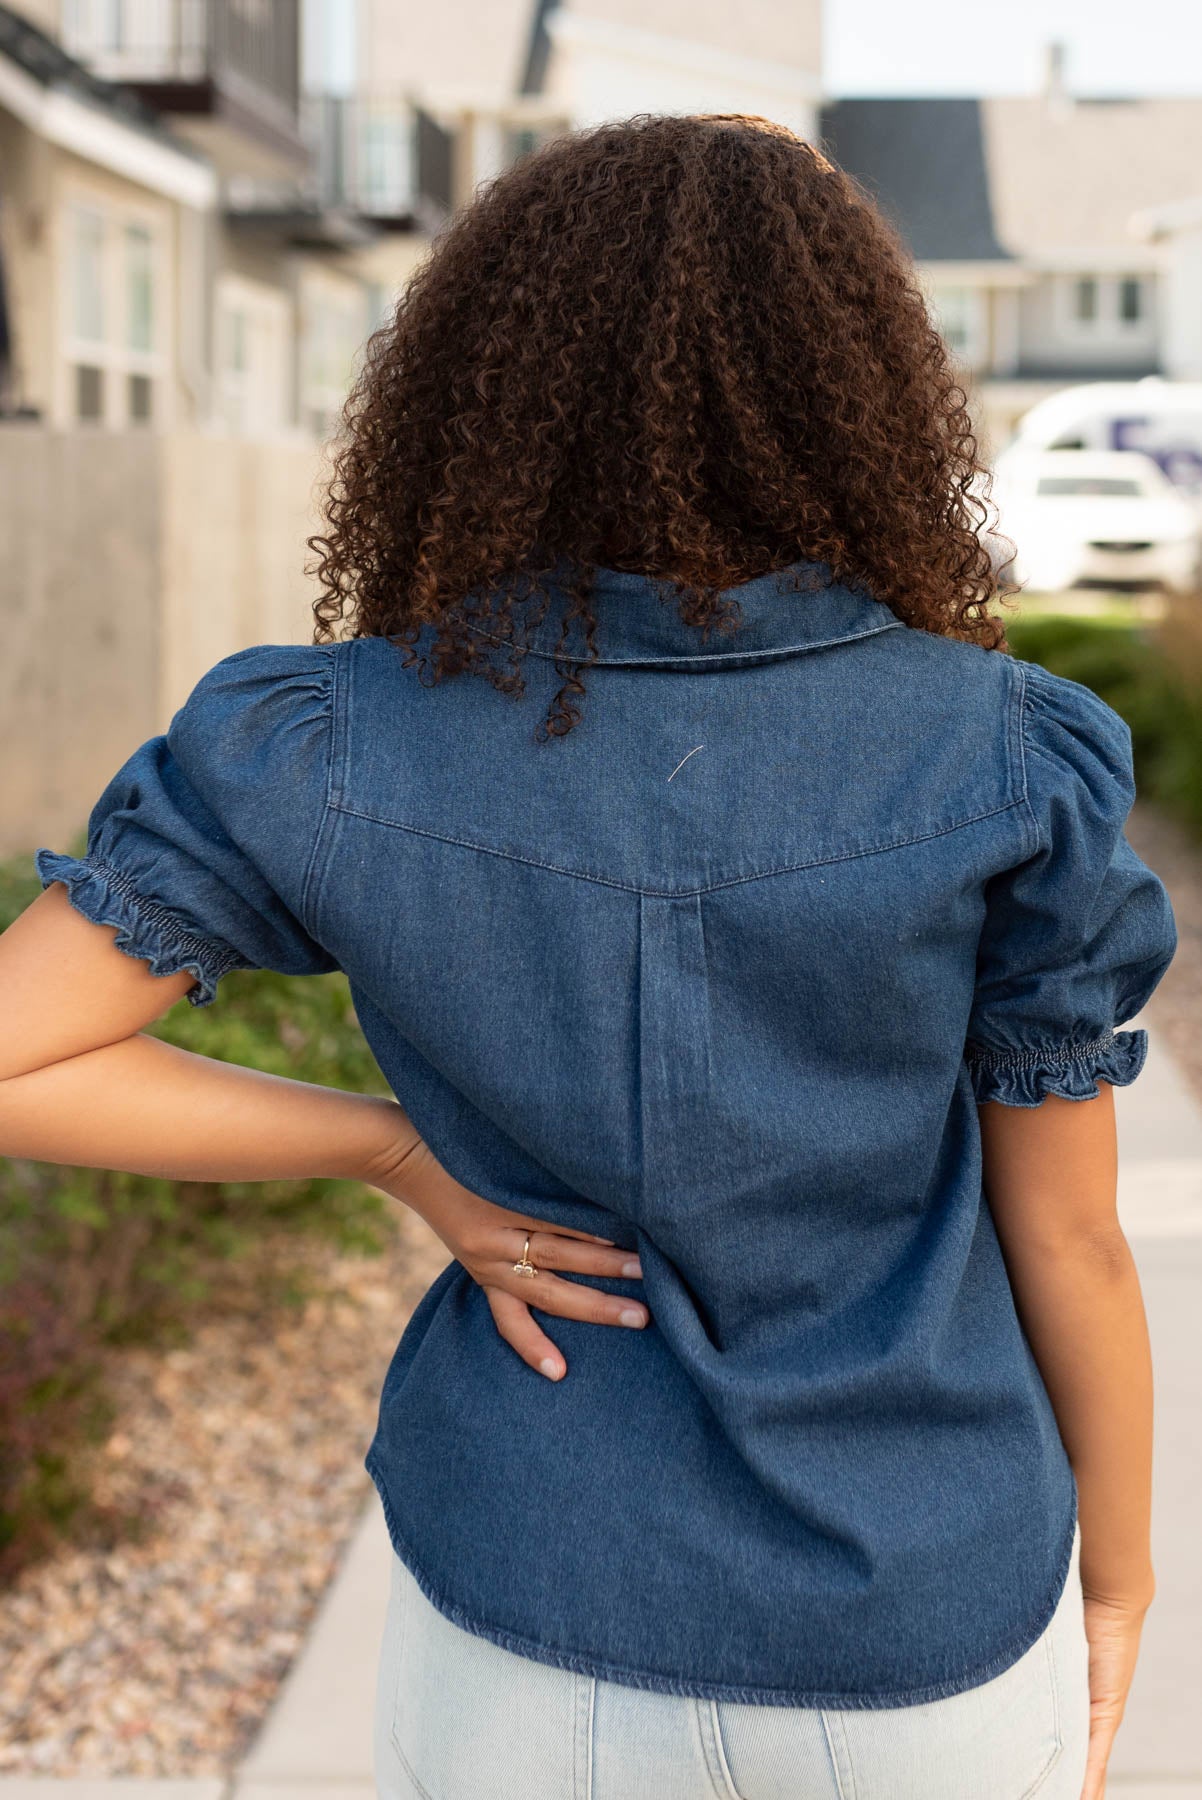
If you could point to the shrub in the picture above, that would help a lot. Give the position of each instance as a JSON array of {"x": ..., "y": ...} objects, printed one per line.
[
  {"x": 1153, "y": 678},
  {"x": 93, "y": 1258}
]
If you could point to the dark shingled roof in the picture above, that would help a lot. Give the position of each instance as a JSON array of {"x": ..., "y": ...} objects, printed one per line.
[{"x": 923, "y": 162}]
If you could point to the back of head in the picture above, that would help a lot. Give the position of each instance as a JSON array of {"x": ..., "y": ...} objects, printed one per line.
[{"x": 685, "y": 346}]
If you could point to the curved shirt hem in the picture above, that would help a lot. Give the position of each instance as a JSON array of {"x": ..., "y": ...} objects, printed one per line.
[{"x": 688, "y": 1688}]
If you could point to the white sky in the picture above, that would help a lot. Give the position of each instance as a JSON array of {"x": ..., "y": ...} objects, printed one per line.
[
  {"x": 949, "y": 47},
  {"x": 934, "y": 46}
]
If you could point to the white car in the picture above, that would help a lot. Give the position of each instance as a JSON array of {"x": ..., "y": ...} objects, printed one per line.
[{"x": 1095, "y": 518}]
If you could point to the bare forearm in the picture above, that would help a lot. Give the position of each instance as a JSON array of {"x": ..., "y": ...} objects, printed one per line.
[
  {"x": 1051, "y": 1176},
  {"x": 1083, "y": 1314},
  {"x": 149, "y": 1108}
]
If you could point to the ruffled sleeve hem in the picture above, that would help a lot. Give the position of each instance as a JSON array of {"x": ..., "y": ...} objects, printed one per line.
[
  {"x": 1026, "y": 1077},
  {"x": 107, "y": 895}
]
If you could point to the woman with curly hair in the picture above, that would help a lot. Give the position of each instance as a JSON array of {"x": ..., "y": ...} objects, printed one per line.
[{"x": 745, "y": 953}]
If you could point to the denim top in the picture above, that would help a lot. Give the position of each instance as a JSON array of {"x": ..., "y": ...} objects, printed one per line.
[{"x": 721, "y": 974}]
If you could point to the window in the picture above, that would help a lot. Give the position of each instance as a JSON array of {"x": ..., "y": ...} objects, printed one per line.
[
  {"x": 140, "y": 399},
  {"x": 89, "y": 392},
  {"x": 1131, "y": 295},
  {"x": 386, "y": 166},
  {"x": 520, "y": 140},
  {"x": 87, "y": 274},
  {"x": 139, "y": 288},
  {"x": 110, "y": 325},
  {"x": 957, "y": 316},
  {"x": 334, "y": 326},
  {"x": 1097, "y": 308},
  {"x": 136, "y": 39},
  {"x": 381, "y": 300},
  {"x": 95, "y": 24},
  {"x": 254, "y": 331}
]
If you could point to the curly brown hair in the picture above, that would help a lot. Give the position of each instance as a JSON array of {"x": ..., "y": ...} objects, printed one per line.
[{"x": 689, "y": 347}]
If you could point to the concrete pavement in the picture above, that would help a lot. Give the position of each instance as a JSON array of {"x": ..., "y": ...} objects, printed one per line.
[{"x": 317, "y": 1742}]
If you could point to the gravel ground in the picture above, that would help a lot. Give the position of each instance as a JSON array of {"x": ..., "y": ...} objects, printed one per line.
[{"x": 242, "y": 1454}]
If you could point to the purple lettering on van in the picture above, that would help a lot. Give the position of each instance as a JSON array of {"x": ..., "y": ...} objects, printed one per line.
[
  {"x": 1122, "y": 432},
  {"x": 1180, "y": 462}
]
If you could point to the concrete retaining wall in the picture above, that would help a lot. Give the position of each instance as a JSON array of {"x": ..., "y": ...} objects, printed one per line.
[{"x": 129, "y": 564}]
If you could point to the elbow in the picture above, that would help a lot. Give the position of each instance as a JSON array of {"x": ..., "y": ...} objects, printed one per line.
[
  {"x": 1106, "y": 1252},
  {"x": 1100, "y": 1251}
]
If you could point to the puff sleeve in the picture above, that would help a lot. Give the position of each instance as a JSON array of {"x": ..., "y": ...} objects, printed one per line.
[
  {"x": 201, "y": 849},
  {"x": 1077, "y": 936}
]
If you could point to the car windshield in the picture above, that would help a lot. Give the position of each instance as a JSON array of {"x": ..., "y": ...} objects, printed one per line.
[{"x": 1104, "y": 486}]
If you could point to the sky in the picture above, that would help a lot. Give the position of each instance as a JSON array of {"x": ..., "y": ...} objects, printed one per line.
[
  {"x": 948, "y": 47},
  {"x": 937, "y": 46}
]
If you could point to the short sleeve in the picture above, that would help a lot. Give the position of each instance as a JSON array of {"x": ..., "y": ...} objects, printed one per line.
[
  {"x": 1077, "y": 937},
  {"x": 201, "y": 848}
]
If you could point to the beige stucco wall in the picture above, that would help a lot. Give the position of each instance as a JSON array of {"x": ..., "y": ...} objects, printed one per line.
[
  {"x": 132, "y": 563},
  {"x": 235, "y": 516},
  {"x": 78, "y": 677}
]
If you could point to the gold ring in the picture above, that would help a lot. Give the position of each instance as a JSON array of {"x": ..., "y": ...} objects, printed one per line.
[{"x": 525, "y": 1267}]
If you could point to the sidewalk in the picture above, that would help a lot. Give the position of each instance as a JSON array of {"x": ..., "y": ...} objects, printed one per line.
[{"x": 317, "y": 1742}]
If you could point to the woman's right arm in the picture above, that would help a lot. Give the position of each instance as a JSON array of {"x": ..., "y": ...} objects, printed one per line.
[{"x": 1050, "y": 1175}]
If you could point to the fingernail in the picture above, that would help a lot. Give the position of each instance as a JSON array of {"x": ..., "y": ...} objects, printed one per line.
[
  {"x": 551, "y": 1368},
  {"x": 632, "y": 1266},
  {"x": 632, "y": 1315}
]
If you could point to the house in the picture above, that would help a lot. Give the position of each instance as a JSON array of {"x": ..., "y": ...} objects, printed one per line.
[
  {"x": 604, "y": 59},
  {"x": 1017, "y": 209},
  {"x": 1019, "y": 212},
  {"x": 183, "y": 291},
  {"x": 174, "y": 255},
  {"x": 497, "y": 77},
  {"x": 1174, "y": 232},
  {"x": 101, "y": 244}
]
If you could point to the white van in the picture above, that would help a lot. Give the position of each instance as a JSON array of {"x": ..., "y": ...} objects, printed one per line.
[{"x": 1163, "y": 419}]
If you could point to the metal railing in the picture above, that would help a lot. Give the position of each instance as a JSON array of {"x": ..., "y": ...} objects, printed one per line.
[
  {"x": 159, "y": 42},
  {"x": 365, "y": 151}
]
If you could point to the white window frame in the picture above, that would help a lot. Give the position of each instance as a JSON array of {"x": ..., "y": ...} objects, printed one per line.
[
  {"x": 255, "y": 401},
  {"x": 112, "y": 353},
  {"x": 321, "y": 401},
  {"x": 1107, "y": 326},
  {"x": 972, "y": 355}
]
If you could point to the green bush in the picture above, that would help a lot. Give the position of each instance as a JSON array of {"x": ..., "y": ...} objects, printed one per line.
[
  {"x": 1134, "y": 671},
  {"x": 91, "y": 1258}
]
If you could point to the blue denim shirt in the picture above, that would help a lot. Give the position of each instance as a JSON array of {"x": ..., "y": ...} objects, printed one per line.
[{"x": 721, "y": 974}]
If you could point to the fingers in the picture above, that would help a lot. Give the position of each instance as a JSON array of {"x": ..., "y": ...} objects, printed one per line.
[
  {"x": 549, "y": 1250},
  {"x": 526, "y": 1223},
  {"x": 572, "y": 1300},
  {"x": 521, "y": 1332}
]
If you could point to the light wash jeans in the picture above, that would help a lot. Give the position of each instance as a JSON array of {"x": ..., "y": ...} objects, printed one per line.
[{"x": 459, "y": 1718}]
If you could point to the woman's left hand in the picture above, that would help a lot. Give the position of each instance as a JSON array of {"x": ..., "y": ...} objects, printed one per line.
[{"x": 488, "y": 1241}]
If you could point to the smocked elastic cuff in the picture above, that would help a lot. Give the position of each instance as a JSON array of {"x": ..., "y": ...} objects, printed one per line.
[
  {"x": 108, "y": 896},
  {"x": 1025, "y": 1077}
]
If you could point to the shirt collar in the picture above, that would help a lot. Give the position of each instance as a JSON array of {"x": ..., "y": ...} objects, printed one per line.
[{"x": 794, "y": 609}]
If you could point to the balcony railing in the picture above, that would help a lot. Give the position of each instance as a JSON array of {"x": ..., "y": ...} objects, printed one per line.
[
  {"x": 366, "y": 153},
  {"x": 160, "y": 43}
]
